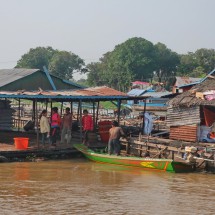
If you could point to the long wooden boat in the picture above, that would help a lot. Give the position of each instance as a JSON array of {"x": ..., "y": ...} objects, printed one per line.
[{"x": 168, "y": 165}]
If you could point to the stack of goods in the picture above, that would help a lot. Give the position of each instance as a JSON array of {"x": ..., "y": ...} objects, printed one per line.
[
  {"x": 6, "y": 115},
  {"x": 104, "y": 127}
]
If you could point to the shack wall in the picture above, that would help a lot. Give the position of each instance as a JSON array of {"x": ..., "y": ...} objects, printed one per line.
[
  {"x": 185, "y": 133},
  {"x": 183, "y": 123},
  {"x": 183, "y": 116}
]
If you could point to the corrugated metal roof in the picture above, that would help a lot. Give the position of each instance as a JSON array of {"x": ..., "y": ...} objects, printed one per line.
[
  {"x": 136, "y": 92},
  {"x": 157, "y": 94},
  {"x": 87, "y": 94},
  {"x": 200, "y": 79},
  {"x": 185, "y": 80},
  {"x": 9, "y": 75}
]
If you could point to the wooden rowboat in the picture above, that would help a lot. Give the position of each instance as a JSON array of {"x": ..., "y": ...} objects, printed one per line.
[{"x": 168, "y": 165}]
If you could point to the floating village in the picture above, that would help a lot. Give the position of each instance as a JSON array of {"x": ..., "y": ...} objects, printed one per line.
[{"x": 168, "y": 131}]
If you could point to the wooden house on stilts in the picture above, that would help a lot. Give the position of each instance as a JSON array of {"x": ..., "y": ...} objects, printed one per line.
[{"x": 193, "y": 110}]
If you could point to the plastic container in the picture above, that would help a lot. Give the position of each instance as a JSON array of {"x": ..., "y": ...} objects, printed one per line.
[{"x": 21, "y": 142}]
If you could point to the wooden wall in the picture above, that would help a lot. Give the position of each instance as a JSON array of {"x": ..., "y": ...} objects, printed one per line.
[
  {"x": 183, "y": 116},
  {"x": 183, "y": 123}
]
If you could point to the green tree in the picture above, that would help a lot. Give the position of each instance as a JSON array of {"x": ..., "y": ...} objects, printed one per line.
[
  {"x": 82, "y": 82},
  {"x": 60, "y": 63},
  {"x": 197, "y": 64},
  {"x": 166, "y": 62},
  {"x": 64, "y": 63},
  {"x": 36, "y": 58},
  {"x": 188, "y": 63},
  {"x": 95, "y": 76},
  {"x": 133, "y": 59},
  {"x": 206, "y": 59}
]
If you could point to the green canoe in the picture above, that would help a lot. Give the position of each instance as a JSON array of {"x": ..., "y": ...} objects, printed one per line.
[{"x": 168, "y": 165}]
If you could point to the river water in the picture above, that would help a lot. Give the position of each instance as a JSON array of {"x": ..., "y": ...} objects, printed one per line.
[{"x": 79, "y": 186}]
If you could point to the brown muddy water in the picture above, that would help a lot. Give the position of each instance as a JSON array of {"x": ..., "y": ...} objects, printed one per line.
[{"x": 79, "y": 187}]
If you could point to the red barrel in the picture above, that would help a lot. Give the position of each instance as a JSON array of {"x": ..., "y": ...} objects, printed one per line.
[{"x": 104, "y": 127}]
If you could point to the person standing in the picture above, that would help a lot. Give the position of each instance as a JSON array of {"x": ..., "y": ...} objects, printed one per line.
[
  {"x": 66, "y": 127},
  {"x": 44, "y": 127},
  {"x": 115, "y": 133},
  {"x": 87, "y": 123},
  {"x": 55, "y": 126}
]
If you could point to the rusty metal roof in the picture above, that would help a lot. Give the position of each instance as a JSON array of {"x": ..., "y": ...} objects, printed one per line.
[
  {"x": 93, "y": 93},
  {"x": 180, "y": 81}
]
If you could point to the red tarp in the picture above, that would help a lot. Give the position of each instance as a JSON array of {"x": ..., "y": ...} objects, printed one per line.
[{"x": 209, "y": 116}]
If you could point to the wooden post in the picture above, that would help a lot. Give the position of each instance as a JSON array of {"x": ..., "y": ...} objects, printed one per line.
[
  {"x": 81, "y": 130},
  {"x": 94, "y": 116},
  {"x": 97, "y": 113},
  {"x": 128, "y": 147},
  {"x": 46, "y": 105},
  {"x": 78, "y": 111},
  {"x": 71, "y": 108},
  {"x": 141, "y": 150},
  {"x": 118, "y": 110},
  {"x": 173, "y": 155},
  {"x": 37, "y": 123},
  {"x": 144, "y": 110},
  {"x": 61, "y": 109},
  {"x": 19, "y": 117},
  {"x": 33, "y": 114}
]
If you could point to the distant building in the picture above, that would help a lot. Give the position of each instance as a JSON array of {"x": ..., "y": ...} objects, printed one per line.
[
  {"x": 187, "y": 82},
  {"x": 140, "y": 85},
  {"x": 32, "y": 79}
]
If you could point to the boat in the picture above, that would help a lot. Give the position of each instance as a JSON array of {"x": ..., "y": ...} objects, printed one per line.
[{"x": 168, "y": 165}]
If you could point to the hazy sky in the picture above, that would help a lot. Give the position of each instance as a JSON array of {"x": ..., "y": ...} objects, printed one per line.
[{"x": 90, "y": 28}]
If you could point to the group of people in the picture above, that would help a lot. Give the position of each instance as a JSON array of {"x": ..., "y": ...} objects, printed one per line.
[
  {"x": 57, "y": 128},
  {"x": 50, "y": 129}
]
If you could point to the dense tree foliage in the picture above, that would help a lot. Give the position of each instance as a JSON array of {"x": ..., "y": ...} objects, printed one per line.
[
  {"x": 63, "y": 64},
  {"x": 197, "y": 64},
  {"x": 36, "y": 58},
  {"x": 59, "y": 63},
  {"x": 166, "y": 62},
  {"x": 134, "y": 59}
]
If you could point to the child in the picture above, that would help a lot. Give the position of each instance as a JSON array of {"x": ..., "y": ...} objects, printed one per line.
[{"x": 55, "y": 126}]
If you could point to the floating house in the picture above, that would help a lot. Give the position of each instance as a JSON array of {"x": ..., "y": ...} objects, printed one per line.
[
  {"x": 32, "y": 79},
  {"x": 27, "y": 79},
  {"x": 193, "y": 110},
  {"x": 182, "y": 84}
]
